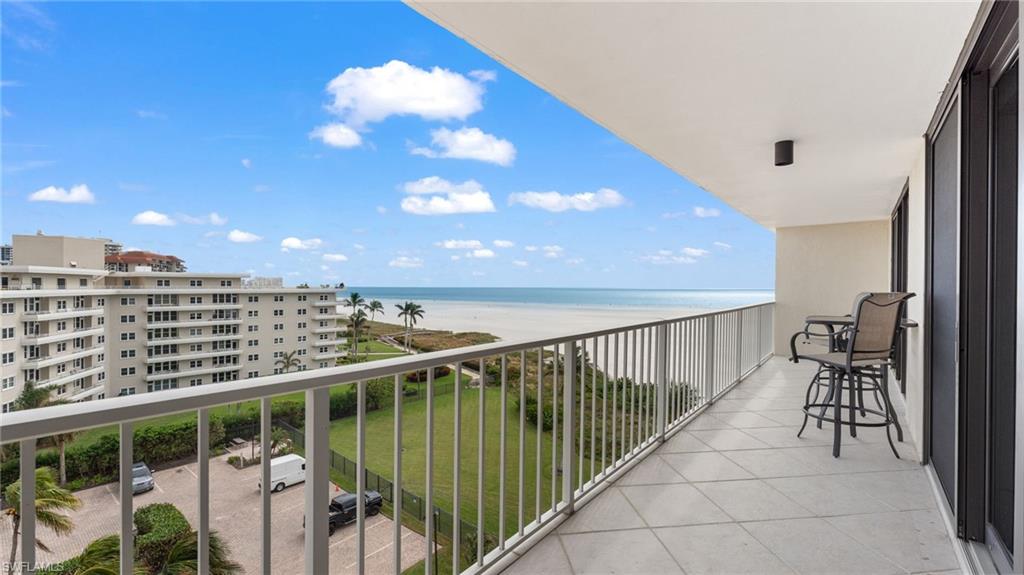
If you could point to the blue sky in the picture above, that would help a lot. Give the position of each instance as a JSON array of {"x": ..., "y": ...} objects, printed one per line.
[{"x": 337, "y": 142}]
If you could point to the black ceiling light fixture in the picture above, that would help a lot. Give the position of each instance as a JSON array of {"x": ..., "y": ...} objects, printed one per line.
[{"x": 783, "y": 152}]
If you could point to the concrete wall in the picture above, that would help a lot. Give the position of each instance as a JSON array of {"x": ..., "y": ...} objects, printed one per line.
[
  {"x": 59, "y": 251},
  {"x": 915, "y": 307},
  {"x": 820, "y": 269}
]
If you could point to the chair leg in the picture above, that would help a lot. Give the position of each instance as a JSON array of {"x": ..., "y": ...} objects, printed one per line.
[
  {"x": 807, "y": 401},
  {"x": 828, "y": 396},
  {"x": 860, "y": 395},
  {"x": 837, "y": 425},
  {"x": 853, "y": 405},
  {"x": 889, "y": 407}
]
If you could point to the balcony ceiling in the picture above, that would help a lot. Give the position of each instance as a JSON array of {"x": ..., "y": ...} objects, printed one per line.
[{"x": 706, "y": 88}]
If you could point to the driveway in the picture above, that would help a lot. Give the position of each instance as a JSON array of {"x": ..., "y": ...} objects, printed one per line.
[{"x": 235, "y": 514}]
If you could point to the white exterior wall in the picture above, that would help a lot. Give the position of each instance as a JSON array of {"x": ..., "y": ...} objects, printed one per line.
[
  {"x": 915, "y": 306},
  {"x": 821, "y": 269}
]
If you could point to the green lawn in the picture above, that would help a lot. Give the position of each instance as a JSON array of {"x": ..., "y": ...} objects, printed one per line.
[
  {"x": 380, "y": 453},
  {"x": 377, "y": 347}
]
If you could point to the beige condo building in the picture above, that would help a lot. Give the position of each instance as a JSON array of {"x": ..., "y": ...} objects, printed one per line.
[{"x": 87, "y": 333}]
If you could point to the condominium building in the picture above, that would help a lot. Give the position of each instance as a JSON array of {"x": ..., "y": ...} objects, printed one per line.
[
  {"x": 91, "y": 333},
  {"x": 132, "y": 260},
  {"x": 6, "y": 254}
]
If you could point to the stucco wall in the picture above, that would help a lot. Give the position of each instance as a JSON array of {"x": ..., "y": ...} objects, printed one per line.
[
  {"x": 915, "y": 306},
  {"x": 820, "y": 269}
]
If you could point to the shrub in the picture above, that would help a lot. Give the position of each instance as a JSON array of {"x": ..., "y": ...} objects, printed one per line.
[
  {"x": 421, "y": 375},
  {"x": 159, "y": 525},
  {"x": 380, "y": 393},
  {"x": 235, "y": 461}
]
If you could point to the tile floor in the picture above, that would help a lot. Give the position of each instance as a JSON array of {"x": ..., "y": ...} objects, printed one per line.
[{"x": 737, "y": 492}]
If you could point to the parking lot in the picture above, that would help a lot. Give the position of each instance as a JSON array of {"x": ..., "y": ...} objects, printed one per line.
[{"x": 234, "y": 513}]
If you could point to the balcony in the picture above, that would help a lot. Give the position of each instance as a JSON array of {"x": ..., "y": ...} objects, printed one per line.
[
  {"x": 329, "y": 329},
  {"x": 192, "y": 339},
  {"x": 70, "y": 375},
  {"x": 194, "y": 323},
  {"x": 46, "y": 315},
  {"x": 42, "y": 339},
  {"x": 192, "y": 372},
  {"x": 55, "y": 358},
  {"x": 192, "y": 307},
  {"x": 186, "y": 355}
]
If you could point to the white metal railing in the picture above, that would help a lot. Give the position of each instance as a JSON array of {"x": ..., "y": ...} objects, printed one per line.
[{"x": 614, "y": 395}]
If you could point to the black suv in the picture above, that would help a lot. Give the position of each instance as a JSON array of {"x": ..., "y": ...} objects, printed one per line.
[{"x": 343, "y": 509}]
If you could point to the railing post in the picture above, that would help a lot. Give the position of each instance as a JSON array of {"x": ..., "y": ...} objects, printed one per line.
[
  {"x": 317, "y": 487},
  {"x": 739, "y": 346},
  {"x": 266, "y": 418},
  {"x": 27, "y": 513},
  {"x": 125, "y": 489},
  {"x": 661, "y": 379},
  {"x": 203, "y": 465},
  {"x": 709, "y": 358},
  {"x": 568, "y": 427}
]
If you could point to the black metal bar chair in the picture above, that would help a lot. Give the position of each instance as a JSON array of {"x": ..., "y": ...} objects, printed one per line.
[{"x": 858, "y": 355}]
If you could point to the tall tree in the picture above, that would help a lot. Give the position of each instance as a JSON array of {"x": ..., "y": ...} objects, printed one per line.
[
  {"x": 375, "y": 307},
  {"x": 287, "y": 361},
  {"x": 354, "y": 301},
  {"x": 51, "y": 501},
  {"x": 409, "y": 312},
  {"x": 356, "y": 322},
  {"x": 34, "y": 397}
]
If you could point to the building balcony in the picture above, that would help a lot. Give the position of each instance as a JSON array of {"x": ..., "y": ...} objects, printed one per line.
[
  {"x": 185, "y": 373},
  {"x": 334, "y": 342},
  {"x": 193, "y": 307},
  {"x": 62, "y": 314},
  {"x": 332, "y": 316},
  {"x": 329, "y": 355},
  {"x": 70, "y": 375},
  {"x": 186, "y": 355},
  {"x": 64, "y": 335},
  {"x": 55, "y": 358},
  {"x": 195, "y": 339},
  {"x": 329, "y": 329},
  {"x": 193, "y": 323}
]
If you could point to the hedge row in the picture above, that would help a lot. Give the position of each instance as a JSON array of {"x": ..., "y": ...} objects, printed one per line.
[{"x": 159, "y": 527}]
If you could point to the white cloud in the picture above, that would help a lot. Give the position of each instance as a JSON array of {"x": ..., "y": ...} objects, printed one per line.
[
  {"x": 556, "y": 202},
  {"x": 702, "y": 212},
  {"x": 468, "y": 144},
  {"x": 240, "y": 237},
  {"x": 406, "y": 262},
  {"x": 293, "y": 243},
  {"x": 445, "y": 198},
  {"x": 531, "y": 248},
  {"x": 686, "y": 255},
  {"x": 504, "y": 244},
  {"x": 574, "y": 261},
  {"x": 520, "y": 263},
  {"x": 150, "y": 115},
  {"x": 246, "y": 163},
  {"x": 335, "y": 258},
  {"x": 79, "y": 194},
  {"x": 694, "y": 252},
  {"x": 459, "y": 244},
  {"x": 483, "y": 253},
  {"x": 152, "y": 218},
  {"x": 552, "y": 251},
  {"x": 212, "y": 218},
  {"x": 483, "y": 75},
  {"x": 359, "y": 247},
  {"x": 723, "y": 245},
  {"x": 336, "y": 135},
  {"x": 367, "y": 95}
]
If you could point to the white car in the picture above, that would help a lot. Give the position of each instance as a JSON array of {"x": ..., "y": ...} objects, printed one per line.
[{"x": 285, "y": 471}]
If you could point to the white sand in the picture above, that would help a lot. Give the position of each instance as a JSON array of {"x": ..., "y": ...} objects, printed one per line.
[{"x": 515, "y": 322}]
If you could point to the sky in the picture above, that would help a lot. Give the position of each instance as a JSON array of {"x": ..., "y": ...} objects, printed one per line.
[{"x": 336, "y": 142}]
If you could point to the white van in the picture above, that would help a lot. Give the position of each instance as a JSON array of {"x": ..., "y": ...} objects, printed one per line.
[{"x": 285, "y": 471}]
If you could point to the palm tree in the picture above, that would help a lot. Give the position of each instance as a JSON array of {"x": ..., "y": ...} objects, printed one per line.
[
  {"x": 51, "y": 499},
  {"x": 101, "y": 557},
  {"x": 409, "y": 312},
  {"x": 375, "y": 307},
  {"x": 182, "y": 557},
  {"x": 32, "y": 397},
  {"x": 354, "y": 301},
  {"x": 356, "y": 321},
  {"x": 287, "y": 361}
]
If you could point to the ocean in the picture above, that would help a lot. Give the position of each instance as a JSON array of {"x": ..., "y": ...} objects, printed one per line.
[{"x": 578, "y": 297}]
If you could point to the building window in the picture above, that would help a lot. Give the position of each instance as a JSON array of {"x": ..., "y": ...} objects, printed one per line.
[
  {"x": 302, "y": 298},
  {"x": 278, "y": 312},
  {"x": 101, "y": 338},
  {"x": 195, "y": 283},
  {"x": 127, "y": 319},
  {"x": 301, "y": 325},
  {"x": 127, "y": 391},
  {"x": 162, "y": 385},
  {"x": 253, "y": 342},
  {"x": 253, "y": 357},
  {"x": 195, "y": 331},
  {"x": 195, "y": 347},
  {"x": 83, "y": 282},
  {"x": 62, "y": 305},
  {"x": 323, "y": 364},
  {"x": 253, "y": 328},
  {"x": 301, "y": 311},
  {"x": 163, "y": 283},
  {"x": 100, "y": 302},
  {"x": 302, "y": 338},
  {"x": 127, "y": 335},
  {"x": 8, "y": 308},
  {"x": 8, "y": 382},
  {"x": 127, "y": 353},
  {"x": 278, "y": 340},
  {"x": 62, "y": 283},
  {"x": 254, "y": 299},
  {"x": 195, "y": 381},
  {"x": 195, "y": 315},
  {"x": 62, "y": 368},
  {"x": 100, "y": 358},
  {"x": 125, "y": 371},
  {"x": 8, "y": 333},
  {"x": 278, "y": 326},
  {"x": 254, "y": 313},
  {"x": 278, "y": 298},
  {"x": 252, "y": 374},
  {"x": 195, "y": 364},
  {"x": 8, "y": 357},
  {"x": 62, "y": 326},
  {"x": 225, "y": 283},
  {"x": 128, "y": 301},
  {"x": 195, "y": 300},
  {"x": 301, "y": 352},
  {"x": 7, "y": 407}
]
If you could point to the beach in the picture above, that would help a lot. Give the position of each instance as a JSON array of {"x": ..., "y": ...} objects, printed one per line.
[{"x": 521, "y": 321}]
